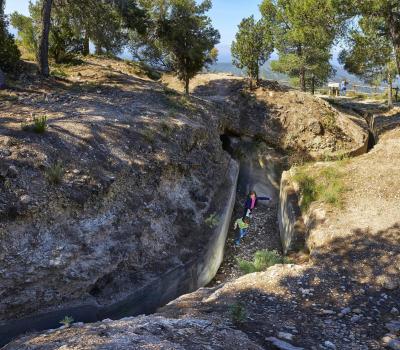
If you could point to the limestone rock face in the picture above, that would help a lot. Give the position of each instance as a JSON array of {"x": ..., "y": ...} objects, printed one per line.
[
  {"x": 115, "y": 192},
  {"x": 145, "y": 332}
]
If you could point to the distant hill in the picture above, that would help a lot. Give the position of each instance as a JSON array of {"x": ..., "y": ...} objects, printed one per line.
[{"x": 267, "y": 73}]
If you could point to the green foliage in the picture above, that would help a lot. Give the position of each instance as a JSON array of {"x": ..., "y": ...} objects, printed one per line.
[
  {"x": 28, "y": 32},
  {"x": 304, "y": 32},
  {"x": 67, "y": 321},
  {"x": 252, "y": 47},
  {"x": 308, "y": 189},
  {"x": 326, "y": 185},
  {"x": 9, "y": 53},
  {"x": 40, "y": 124},
  {"x": 75, "y": 23},
  {"x": 370, "y": 55},
  {"x": 263, "y": 259},
  {"x": 55, "y": 173},
  {"x": 382, "y": 17},
  {"x": 187, "y": 35},
  {"x": 212, "y": 221},
  {"x": 238, "y": 313}
]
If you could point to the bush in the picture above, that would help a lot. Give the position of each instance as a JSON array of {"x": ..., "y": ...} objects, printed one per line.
[
  {"x": 263, "y": 259},
  {"x": 238, "y": 313},
  {"x": 40, "y": 124},
  {"x": 67, "y": 320},
  {"x": 55, "y": 173}
]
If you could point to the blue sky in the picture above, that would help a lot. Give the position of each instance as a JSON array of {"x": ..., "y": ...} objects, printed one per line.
[{"x": 226, "y": 16}]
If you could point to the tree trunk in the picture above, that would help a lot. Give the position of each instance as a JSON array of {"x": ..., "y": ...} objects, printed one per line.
[
  {"x": 390, "y": 95},
  {"x": 98, "y": 50},
  {"x": 2, "y": 75},
  {"x": 86, "y": 49},
  {"x": 394, "y": 32},
  {"x": 258, "y": 75},
  {"x": 302, "y": 79},
  {"x": 313, "y": 84},
  {"x": 2, "y": 80},
  {"x": 43, "y": 54},
  {"x": 187, "y": 80}
]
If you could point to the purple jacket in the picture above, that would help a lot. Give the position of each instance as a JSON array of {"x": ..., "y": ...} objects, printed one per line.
[{"x": 247, "y": 204}]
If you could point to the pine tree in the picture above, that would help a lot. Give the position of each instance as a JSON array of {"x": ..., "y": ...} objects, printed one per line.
[
  {"x": 252, "y": 47},
  {"x": 385, "y": 15},
  {"x": 304, "y": 32},
  {"x": 188, "y": 36},
  {"x": 370, "y": 55}
]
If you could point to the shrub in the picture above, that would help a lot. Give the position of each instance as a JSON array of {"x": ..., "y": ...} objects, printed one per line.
[
  {"x": 67, "y": 320},
  {"x": 238, "y": 313},
  {"x": 55, "y": 173},
  {"x": 212, "y": 221},
  {"x": 263, "y": 259},
  {"x": 40, "y": 124}
]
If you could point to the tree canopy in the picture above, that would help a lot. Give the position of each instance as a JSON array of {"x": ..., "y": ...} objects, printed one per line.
[
  {"x": 304, "y": 32},
  {"x": 252, "y": 47},
  {"x": 186, "y": 33}
]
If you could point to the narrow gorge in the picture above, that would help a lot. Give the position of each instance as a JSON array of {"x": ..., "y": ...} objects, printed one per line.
[{"x": 141, "y": 215}]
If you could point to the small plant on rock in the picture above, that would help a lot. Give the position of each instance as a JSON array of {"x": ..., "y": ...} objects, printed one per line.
[
  {"x": 238, "y": 313},
  {"x": 212, "y": 221},
  {"x": 67, "y": 321},
  {"x": 55, "y": 173},
  {"x": 40, "y": 124},
  {"x": 263, "y": 259}
]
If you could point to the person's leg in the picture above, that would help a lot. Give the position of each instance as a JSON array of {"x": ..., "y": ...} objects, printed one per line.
[
  {"x": 238, "y": 236},
  {"x": 243, "y": 232}
]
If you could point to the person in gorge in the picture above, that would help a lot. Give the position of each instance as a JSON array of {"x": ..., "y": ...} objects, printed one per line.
[
  {"x": 243, "y": 225},
  {"x": 251, "y": 203}
]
